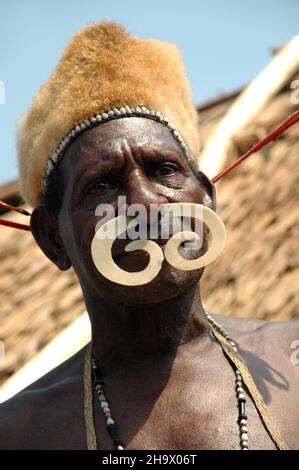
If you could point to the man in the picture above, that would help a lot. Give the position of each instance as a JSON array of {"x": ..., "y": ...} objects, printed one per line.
[{"x": 167, "y": 383}]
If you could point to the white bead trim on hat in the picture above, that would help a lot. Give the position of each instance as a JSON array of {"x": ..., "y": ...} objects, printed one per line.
[{"x": 114, "y": 113}]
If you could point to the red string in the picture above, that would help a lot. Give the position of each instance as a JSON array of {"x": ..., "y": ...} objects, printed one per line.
[
  {"x": 9, "y": 223},
  {"x": 290, "y": 121},
  {"x": 13, "y": 208}
]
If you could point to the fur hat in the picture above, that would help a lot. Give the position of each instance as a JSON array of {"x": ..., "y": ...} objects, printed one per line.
[{"x": 103, "y": 67}]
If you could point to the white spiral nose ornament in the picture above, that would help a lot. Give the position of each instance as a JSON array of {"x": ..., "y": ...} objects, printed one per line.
[
  {"x": 215, "y": 226},
  {"x": 101, "y": 247},
  {"x": 105, "y": 236}
]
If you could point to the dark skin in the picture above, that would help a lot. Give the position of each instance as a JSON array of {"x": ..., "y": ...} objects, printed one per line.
[{"x": 166, "y": 378}]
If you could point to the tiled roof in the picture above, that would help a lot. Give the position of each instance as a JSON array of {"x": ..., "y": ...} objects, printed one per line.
[{"x": 257, "y": 275}]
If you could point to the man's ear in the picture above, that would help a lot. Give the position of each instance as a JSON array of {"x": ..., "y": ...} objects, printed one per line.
[
  {"x": 44, "y": 228},
  {"x": 209, "y": 190}
]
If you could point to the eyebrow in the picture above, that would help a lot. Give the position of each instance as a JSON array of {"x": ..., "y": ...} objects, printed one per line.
[
  {"x": 106, "y": 158},
  {"x": 92, "y": 172}
]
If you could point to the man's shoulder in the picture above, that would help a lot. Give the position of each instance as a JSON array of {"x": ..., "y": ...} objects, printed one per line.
[
  {"x": 265, "y": 344},
  {"x": 252, "y": 331},
  {"x": 271, "y": 351},
  {"x": 36, "y": 407}
]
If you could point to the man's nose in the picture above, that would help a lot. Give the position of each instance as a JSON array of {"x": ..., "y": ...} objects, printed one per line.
[{"x": 141, "y": 190}]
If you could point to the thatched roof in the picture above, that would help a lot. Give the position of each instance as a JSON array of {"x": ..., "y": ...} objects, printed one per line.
[
  {"x": 256, "y": 276},
  {"x": 37, "y": 300},
  {"x": 258, "y": 273}
]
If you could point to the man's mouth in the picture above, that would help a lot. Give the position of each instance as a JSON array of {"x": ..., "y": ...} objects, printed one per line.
[
  {"x": 131, "y": 261},
  {"x": 138, "y": 260}
]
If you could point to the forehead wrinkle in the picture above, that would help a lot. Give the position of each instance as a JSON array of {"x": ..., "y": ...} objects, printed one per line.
[
  {"x": 147, "y": 134},
  {"x": 97, "y": 162},
  {"x": 91, "y": 151}
]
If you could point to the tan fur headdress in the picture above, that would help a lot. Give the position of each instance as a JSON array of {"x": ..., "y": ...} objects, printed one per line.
[{"x": 103, "y": 68}]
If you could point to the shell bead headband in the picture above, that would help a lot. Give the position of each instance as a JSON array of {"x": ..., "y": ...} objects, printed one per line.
[{"x": 114, "y": 113}]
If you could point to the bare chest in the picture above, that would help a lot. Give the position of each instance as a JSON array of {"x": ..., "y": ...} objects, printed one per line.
[{"x": 185, "y": 416}]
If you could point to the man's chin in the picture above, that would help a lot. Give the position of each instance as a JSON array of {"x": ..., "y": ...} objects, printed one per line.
[{"x": 168, "y": 284}]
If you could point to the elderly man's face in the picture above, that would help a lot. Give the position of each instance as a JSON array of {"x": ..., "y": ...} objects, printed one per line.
[{"x": 133, "y": 157}]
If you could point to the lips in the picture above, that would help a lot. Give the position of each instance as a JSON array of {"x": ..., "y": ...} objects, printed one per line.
[
  {"x": 118, "y": 248},
  {"x": 138, "y": 260},
  {"x": 133, "y": 261}
]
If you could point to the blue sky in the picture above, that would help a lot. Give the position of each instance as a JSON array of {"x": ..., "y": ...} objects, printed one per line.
[{"x": 224, "y": 44}]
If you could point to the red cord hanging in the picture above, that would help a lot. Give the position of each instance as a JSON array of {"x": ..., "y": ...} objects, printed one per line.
[
  {"x": 290, "y": 121},
  {"x": 13, "y": 208},
  {"x": 9, "y": 223}
]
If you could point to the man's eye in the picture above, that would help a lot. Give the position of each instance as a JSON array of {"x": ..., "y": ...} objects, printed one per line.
[
  {"x": 166, "y": 169},
  {"x": 99, "y": 186}
]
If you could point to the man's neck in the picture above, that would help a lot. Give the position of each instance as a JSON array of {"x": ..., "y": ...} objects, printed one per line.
[{"x": 127, "y": 334}]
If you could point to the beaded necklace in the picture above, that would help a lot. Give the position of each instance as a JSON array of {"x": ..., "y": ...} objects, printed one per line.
[
  {"x": 92, "y": 377},
  {"x": 240, "y": 395}
]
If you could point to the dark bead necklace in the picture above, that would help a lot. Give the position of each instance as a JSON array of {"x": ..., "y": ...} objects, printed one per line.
[{"x": 240, "y": 395}]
